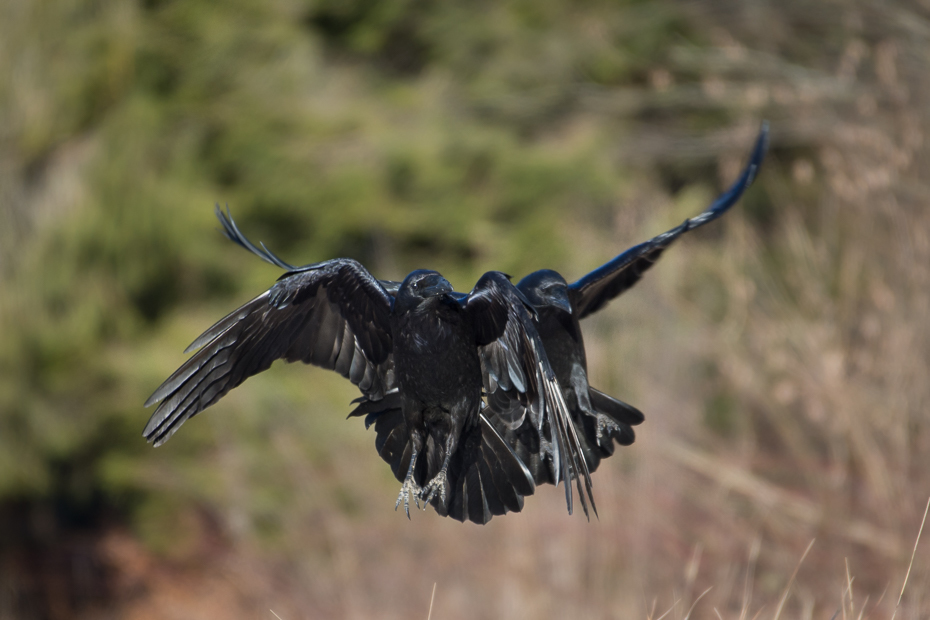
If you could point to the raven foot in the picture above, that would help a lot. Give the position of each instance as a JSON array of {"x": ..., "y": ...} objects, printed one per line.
[
  {"x": 605, "y": 426},
  {"x": 409, "y": 487},
  {"x": 438, "y": 483}
]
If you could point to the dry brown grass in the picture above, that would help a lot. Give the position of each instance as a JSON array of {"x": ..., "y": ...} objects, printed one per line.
[{"x": 802, "y": 327}]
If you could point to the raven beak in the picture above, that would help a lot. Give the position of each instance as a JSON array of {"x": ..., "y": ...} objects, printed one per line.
[
  {"x": 440, "y": 286},
  {"x": 563, "y": 303}
]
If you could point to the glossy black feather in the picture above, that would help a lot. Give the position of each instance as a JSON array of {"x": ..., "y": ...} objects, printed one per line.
[
  {"x": 484, "y": 473},
  {"x": 516, "y": 363},
  {"x": 232, "y": 232},
  {"x": 333, "y": 314},
  {"x": 443, "y": 350},
  {"x": 599, "y": 420},
  {"x": 413, "y": 349},
  {"x": 506, "y": 479}
]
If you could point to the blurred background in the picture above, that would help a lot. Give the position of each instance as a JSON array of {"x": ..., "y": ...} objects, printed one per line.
[{"x": 780, "y": 354}]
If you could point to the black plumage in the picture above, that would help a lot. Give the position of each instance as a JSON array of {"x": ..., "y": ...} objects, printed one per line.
[
  {"x": 332, "y": 314},
  {"x": 600, "y": 419},
  {"x": 422, "y": 352},
  {"x": 442, "y": 346},
  {"x": 499, "y": 365},
  {"x": 503, "y": 365}
]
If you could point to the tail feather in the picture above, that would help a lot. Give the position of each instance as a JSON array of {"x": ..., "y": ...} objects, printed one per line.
[
  {"x": 485, "y": 478},
  {"x": 492, "y": 495},
  {"x": 456, "y": 503},
  {"x": 478, "y": 511},
  {"x": 494, "y": 448},
  {"x": 525, "y": 440},
  {"x": 615, "y": 408},
  {"x": 508, "y": 495},
  {"x": 525, "y": 444}
]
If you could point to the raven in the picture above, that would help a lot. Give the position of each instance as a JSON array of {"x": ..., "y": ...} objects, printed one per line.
[
  {"x": 560, "y": 306},
  {"x": 385, "y": 411},
  {"x": 423, "y": 348}
]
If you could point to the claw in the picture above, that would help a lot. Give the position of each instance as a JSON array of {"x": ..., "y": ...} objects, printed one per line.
[
  {"x": 438, "y": 483},
  {"x": 406, "y": 489},
  {"x": 409, "y": 487},
  {"x": 604, "y": 423}
]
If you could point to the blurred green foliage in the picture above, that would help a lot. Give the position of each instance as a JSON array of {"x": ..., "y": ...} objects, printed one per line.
[{"x": 405, "y": 134}]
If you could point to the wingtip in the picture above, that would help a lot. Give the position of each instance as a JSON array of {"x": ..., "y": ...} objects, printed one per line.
[
  {"x": 231, "y": 231},
  {"x": 155, "y": 437},
  {"x": 758, "y": 152},
  {"x": 732, "y": 195},
  {"x": 759, "y": 149},
  {"x": 154, "y": 398}
]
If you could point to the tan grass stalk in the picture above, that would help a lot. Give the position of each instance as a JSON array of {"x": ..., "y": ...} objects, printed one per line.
[
  {"x": 431, "y": 599},
  {"x": 674, "y": 605},
  {"x": 688, "y": 615},
  {"x": 750, "y": 573},
  {"x": 849, "y": 590},
  {"x": 862, "y": 611},
  {"x": 784, "y": 596},
  {"x": 913, "y": 553}
]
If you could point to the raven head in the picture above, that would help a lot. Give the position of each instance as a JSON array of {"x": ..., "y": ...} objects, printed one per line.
[
  {"x": 546, "y": 288},
  {"x": 420, "y": 286}
]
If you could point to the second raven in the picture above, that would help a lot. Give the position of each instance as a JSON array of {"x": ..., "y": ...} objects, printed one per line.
[{"x": 559, "y": 305}]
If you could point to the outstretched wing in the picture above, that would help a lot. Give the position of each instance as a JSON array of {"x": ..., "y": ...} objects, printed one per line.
[
  {"x": 591, "y": 292},
  {"x": 515, "y": 364},
  {"x": 332, "y": 314}
]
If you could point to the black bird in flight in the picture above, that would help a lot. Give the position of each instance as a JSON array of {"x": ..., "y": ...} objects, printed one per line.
[
  {"x": 564, "y": 452},
  {"x": 423, "y": 348},
  {"x": 560, "y": 306}
]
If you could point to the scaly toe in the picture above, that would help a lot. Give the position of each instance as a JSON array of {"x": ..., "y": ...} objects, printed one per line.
[
  {"x": 436, "y": 484},
  {"x": 605, "y": 426},
  {"x": 406, "y": 489}
]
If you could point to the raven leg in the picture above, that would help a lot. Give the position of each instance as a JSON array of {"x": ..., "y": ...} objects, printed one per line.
[
  {"x": 438, "y": 483},
  {"x": 409, "y": 485},
  {"x": 604, "y": 425}
]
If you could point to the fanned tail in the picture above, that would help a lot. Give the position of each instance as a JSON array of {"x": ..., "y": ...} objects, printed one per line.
[{"x": 485, "y": 477}]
